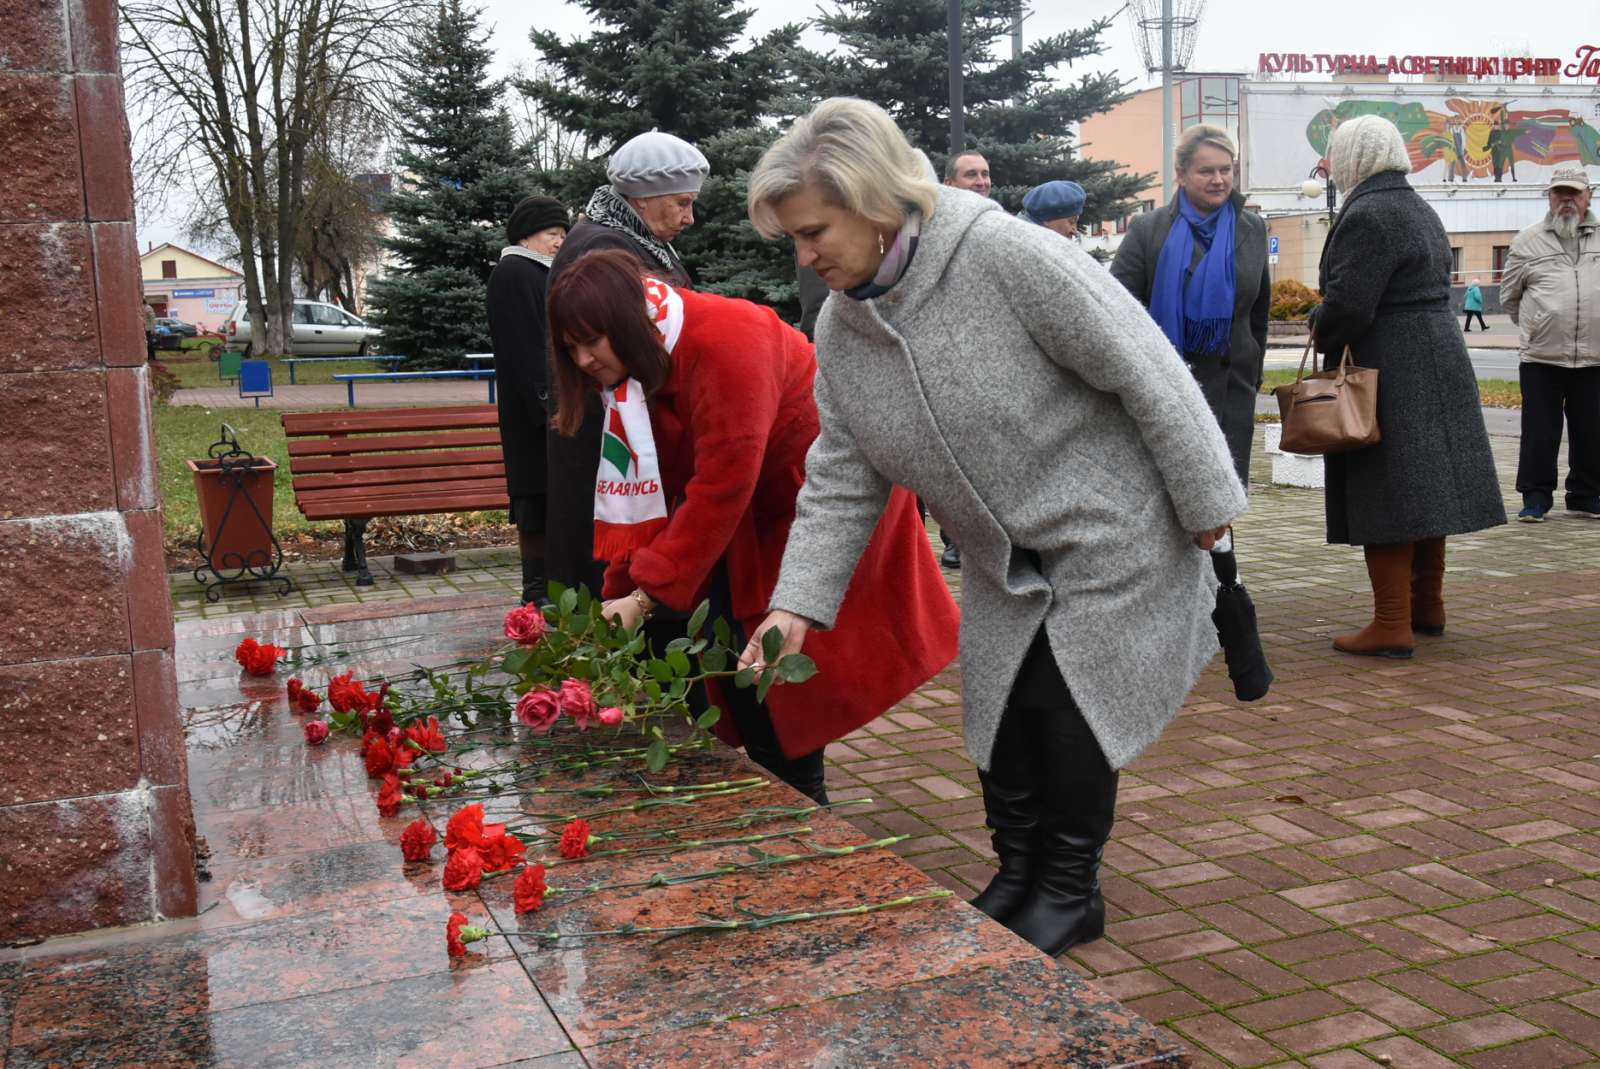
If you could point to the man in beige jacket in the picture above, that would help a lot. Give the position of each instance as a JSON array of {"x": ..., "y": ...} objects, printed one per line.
[{"x": 1551, "y": 289}]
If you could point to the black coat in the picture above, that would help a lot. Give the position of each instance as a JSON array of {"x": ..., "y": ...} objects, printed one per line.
[
  {"x": 1385, "y": 281},
  {"x": 517, "y": 327},
  {"x": 574, "y": 462},
  {"x": 1229, "y": 382}
]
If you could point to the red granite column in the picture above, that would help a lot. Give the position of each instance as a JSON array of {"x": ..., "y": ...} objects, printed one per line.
[{"x": 94, "y": 804}]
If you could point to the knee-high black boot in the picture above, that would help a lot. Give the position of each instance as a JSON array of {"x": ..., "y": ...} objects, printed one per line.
[
  {"x": 1011, "y": 810},
  {"x": 1078, "y": 795}
]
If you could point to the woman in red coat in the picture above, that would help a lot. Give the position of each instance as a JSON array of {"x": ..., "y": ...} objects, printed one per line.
[{"x": 709, "y": 414}]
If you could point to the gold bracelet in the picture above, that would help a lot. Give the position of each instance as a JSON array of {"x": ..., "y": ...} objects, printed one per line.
[{"x": 641, "y": 599}]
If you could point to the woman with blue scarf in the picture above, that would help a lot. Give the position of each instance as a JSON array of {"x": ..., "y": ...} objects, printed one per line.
[{"x": 1200, "y": 266}]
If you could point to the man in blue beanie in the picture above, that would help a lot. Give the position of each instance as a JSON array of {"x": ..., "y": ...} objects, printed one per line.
[{"x": 1055, "y": 205}]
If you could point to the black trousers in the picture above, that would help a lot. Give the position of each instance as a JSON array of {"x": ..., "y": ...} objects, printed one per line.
[
  {"x": 1551, "y": 394},
  {"x": 1467, "y": 325},
  {"x": 1043, "y": 734},
  {"x": 571, "y": 467}
]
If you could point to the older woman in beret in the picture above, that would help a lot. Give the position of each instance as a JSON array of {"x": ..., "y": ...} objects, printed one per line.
[
  {"x": 1055, "y": 206},
  {"x": 1076, "y": 464}
]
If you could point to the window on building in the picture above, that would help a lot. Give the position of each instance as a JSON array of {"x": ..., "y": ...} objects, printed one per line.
[
  {"x": 1455, "y": 263},
  {"x": 1500, "y": 254},
  {"x": 169, "y": 269}
]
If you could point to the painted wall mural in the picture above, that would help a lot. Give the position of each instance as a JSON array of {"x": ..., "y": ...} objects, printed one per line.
[{"x": 1452, "y": 138}]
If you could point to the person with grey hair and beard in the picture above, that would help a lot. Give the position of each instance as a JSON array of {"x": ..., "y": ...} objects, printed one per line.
[{"x": 1551, "y": 289}]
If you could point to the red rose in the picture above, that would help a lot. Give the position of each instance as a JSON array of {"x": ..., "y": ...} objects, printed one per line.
[
  {"x": 525, "y": 626},
  {"x": 502, "y": 851},
  {"x": 577, "y": 701},
  {"x": 610, "y": 716},
  {"x": 390, "y": 796},
  {"x": 316, "y": 732},
  {"x": 464, "y": 870},
  {"x": 294, "y": 687},
  {"x": 380, "y": 758},
  {"x": 465, "y": 828},
  {"x": 530, "y": 889},
  {"x": 429, "y": 737},
  {"x": 575, "y": 839},
  {"x": 263, "y": 660},
  {"x": 540, "y": 708},
  {"x": 308, "y": 700},
  {"x": 416, "y": 842},
  {"x": 243, "y": 650}
]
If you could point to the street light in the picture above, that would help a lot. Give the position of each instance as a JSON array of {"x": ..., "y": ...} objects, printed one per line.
[{"x": 1316, "y": 182}]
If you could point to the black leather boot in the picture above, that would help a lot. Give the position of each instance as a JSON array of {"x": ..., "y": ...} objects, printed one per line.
[
  {"x": 806, "y": 774},
  {"x": 1013, "y": 819},
  {"x": 1078, "y": 798},
  {"x": 531, "y": 549}
]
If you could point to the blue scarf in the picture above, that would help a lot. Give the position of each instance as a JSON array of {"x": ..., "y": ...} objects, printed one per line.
[{"x": 1197, "y": 318}]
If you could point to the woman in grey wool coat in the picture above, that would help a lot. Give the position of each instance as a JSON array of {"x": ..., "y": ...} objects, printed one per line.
[
  {"x": 1385, "y": 282},
  {"x": 1001, "y": 374}
]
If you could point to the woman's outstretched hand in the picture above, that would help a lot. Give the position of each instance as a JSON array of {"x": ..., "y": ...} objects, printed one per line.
[
  {"x": 792, "y": 627},
  {"x": 1207, "y": 540}
]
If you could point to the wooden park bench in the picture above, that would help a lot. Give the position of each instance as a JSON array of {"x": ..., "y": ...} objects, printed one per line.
[{"x": 352, "y": 466}]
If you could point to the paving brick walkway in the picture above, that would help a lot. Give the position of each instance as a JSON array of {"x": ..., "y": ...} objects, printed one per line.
[{"x": 1387, "y": 863}]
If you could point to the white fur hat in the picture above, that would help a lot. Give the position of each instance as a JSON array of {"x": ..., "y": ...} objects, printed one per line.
[
  {"x": 656, "y": 165},
  {"x": 1365, "y": 146}
]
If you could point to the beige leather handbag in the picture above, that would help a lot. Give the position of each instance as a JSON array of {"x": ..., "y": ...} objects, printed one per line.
[{"x": 1330, "y": 411}]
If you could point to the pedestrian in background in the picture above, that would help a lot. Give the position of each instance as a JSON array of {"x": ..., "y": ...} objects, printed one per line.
[
  {"x": 654, "y": 181},
  {"x": 1385, "y": 281},
  {"x": 1200, "y": 266},
  {"x": 536, "y": 229},
  {"x": 1551, "y": 289},
  {"x": 1054, "y": 206},
  {"x": 1472, "y": 304},
  {"x": 999, "y": 372}
]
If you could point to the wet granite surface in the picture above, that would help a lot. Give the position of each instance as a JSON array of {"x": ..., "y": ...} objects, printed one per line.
[{"x": 316, "y": 944}]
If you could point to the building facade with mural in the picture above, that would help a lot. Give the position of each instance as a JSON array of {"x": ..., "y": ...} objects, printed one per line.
[{"x": 1481, "y": 150}]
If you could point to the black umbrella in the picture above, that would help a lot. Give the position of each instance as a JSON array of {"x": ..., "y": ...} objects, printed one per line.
[{"x": 1235, "y": 619}]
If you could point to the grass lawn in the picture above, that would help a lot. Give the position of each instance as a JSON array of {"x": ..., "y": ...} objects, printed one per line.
[
  {"x": 193, "y": 369},
  {"x": 1495, "y": 393}
]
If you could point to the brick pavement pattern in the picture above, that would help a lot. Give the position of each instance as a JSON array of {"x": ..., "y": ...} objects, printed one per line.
[{"x": 1385, "y": 863}]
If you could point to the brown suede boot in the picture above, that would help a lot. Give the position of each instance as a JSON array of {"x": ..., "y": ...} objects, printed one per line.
[
  {"x": 1427, "y": 587},
  {"x": 1389, "y": 633}
]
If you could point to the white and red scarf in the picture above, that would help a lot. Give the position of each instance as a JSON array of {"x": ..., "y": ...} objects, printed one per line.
[{"x": 630, "y": 507}]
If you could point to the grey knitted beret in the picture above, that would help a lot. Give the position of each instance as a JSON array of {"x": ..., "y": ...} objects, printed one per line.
[{"x": 655, "y": 165}]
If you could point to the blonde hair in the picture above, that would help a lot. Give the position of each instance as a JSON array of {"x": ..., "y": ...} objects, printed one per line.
[
  {"x": 1190, "y": 140},
  {"x": 854, "y": 155}
]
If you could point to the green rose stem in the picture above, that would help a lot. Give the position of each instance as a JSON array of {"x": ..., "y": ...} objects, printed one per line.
[
  {"x": 743, "y": 820},
  {"x": 653, "y": 803},
  {"x": 751, "y": 920},
  {"x": 677, "y": 846},
  {"x": 605, "y": 792}
]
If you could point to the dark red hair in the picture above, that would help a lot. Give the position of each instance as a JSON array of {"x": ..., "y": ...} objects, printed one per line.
[{"x": 601, "y": 295}]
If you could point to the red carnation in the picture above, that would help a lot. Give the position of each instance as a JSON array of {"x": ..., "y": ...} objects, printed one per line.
[
  {"x": 465, "y": 827},
  {"x": 263, "y": 660},
  {"x": 501, "y": 851},
  {"x": 390, "y": 796},
  {"x": 316, "y": 732},
  {"x": 577, "y": 701},
  {"x": 294, "y": 686},
  {"x": 464, "y": 870},
  {"x": 530, "y": 889},
  {"x": 416, "y": 842},
  {"x": 428, "y": 737},
  {"x": 575, "y": 839},
  {"x": 379, "y": 758},
  {"x": 458, "y": 933},
  {"x": 243, "y": 650},
  {"x": 525, "y": 626},
  {"x": 540, "y": 708},
  {"x": 308, "y": 700},
  {"x": 344, "y": 694}
]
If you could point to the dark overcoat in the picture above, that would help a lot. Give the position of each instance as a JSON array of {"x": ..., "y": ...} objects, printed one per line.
[
  {"x": 1231, "y": 381},
  {"x": 1385, "y": 281},
  {"x": 517, "y": 331},
  {"x": 573, "y": 462}
]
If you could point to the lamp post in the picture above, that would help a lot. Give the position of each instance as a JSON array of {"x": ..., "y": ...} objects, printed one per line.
[{"x": 1316, "y": 182}]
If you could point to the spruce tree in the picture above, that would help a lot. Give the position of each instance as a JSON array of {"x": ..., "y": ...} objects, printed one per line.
[
  {"x": 677, "y": 66},
  {"x": 896, "y": 54},
  {"x": 458, "y": 177}
]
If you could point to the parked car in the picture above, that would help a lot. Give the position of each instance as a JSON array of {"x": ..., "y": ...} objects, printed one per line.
[
  {"x": 174, "y": 325},
  {"x": 320, "y": 329}
]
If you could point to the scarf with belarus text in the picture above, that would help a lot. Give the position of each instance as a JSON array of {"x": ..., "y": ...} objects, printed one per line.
[{"x": 630, "y": 507}]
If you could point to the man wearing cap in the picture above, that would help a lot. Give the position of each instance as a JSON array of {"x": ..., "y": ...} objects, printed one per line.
[
  {"x": 1551, "y": 289},
  {"x": 1055, "y": 206},
  {"x": 654, "y": 181},
  {"x": 536, "y": 229}
]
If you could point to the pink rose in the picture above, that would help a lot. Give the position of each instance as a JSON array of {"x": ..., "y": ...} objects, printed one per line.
[
  {"x": 525, "y": 626},
  {"x": 577, "y": 701},
  {"x": 540, "y": 708},
  {"x": 316, "y": 732},
  {"x": 611, "y": 716}
]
